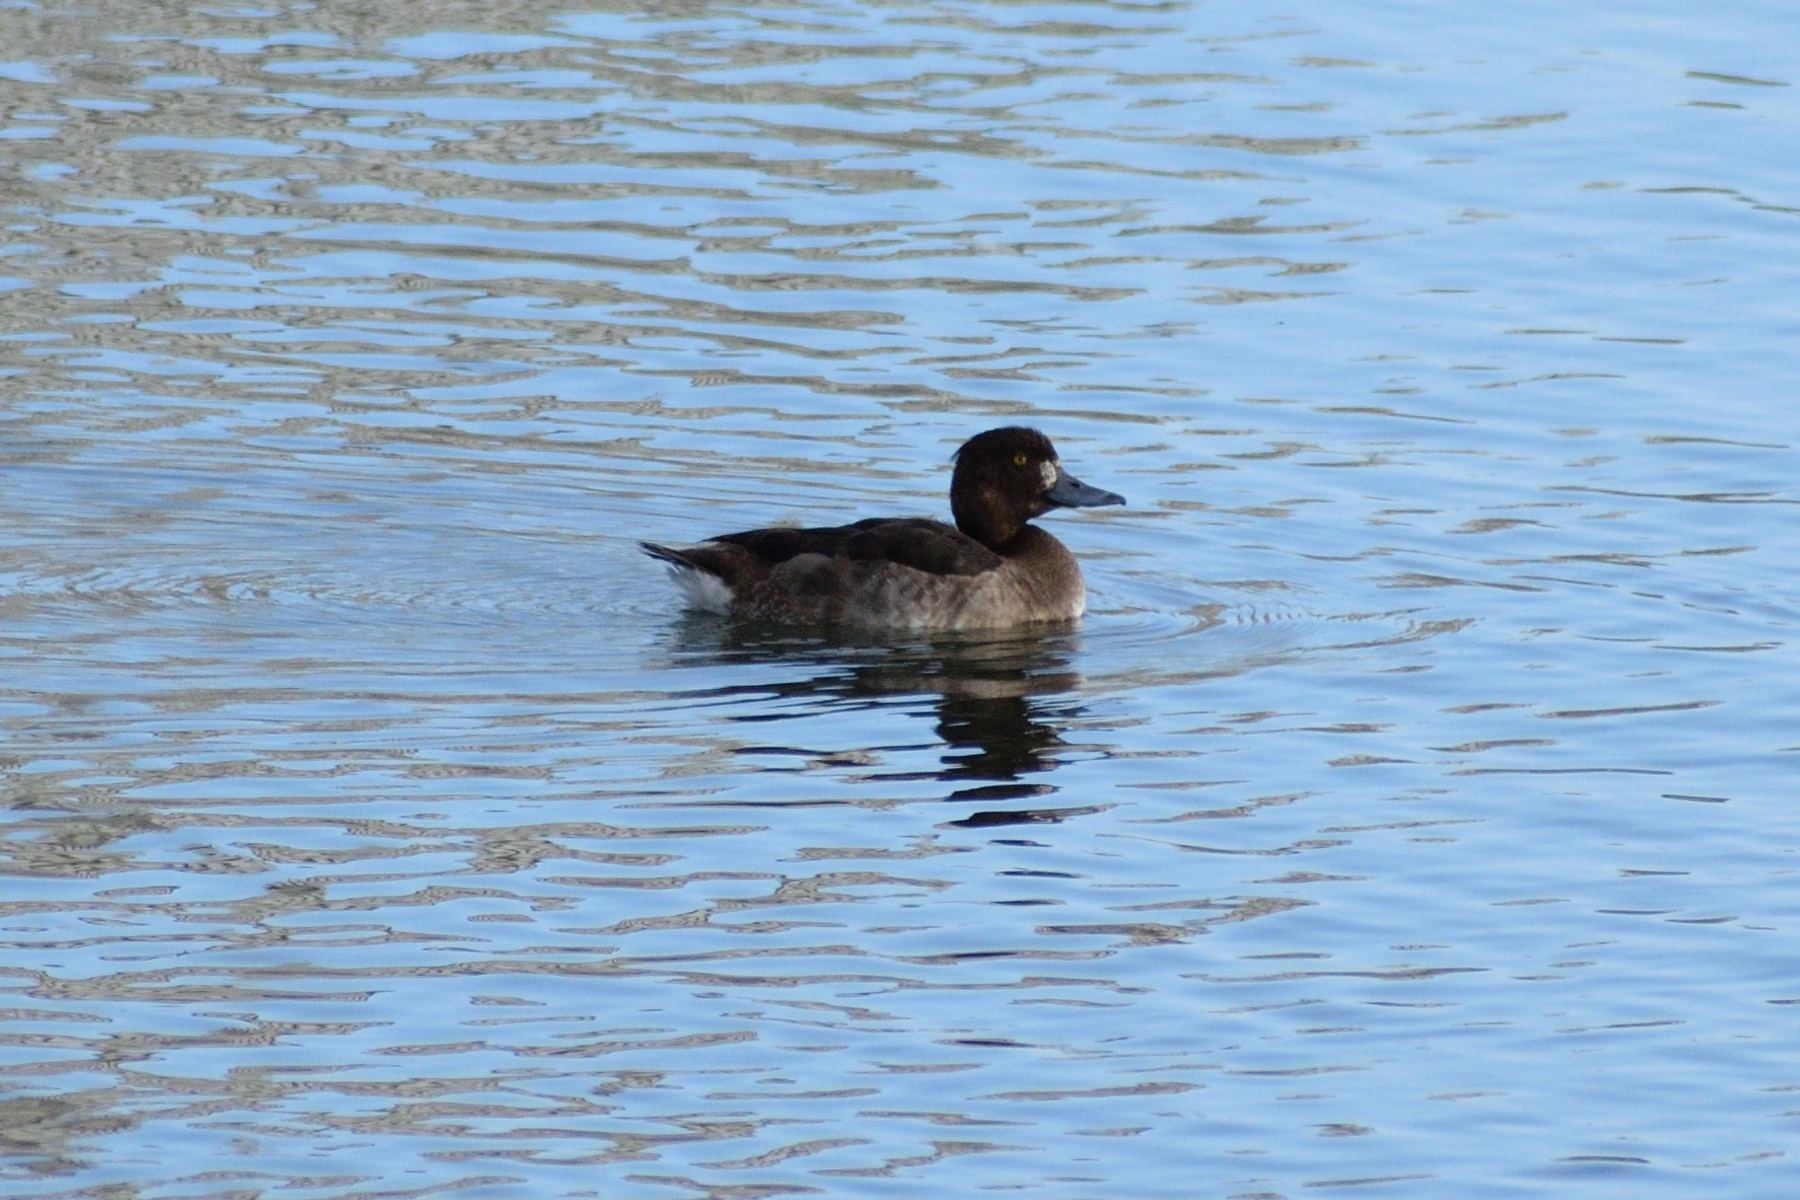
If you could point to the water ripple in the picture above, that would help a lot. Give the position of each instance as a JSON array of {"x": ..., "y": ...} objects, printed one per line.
[{"x": 377, "y": 821}]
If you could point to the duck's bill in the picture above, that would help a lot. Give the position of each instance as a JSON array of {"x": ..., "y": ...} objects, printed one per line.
[{"x": 1070, "y": 492}]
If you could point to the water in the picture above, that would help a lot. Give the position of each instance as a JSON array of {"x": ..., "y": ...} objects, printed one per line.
[{"x": 1410, "y": 816}]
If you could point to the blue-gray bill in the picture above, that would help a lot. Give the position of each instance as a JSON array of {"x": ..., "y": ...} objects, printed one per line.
[{"x": 1070, "y": 492}]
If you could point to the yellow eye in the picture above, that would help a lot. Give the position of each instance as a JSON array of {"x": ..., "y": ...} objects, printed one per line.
[{"x": 1020, "y": 460}]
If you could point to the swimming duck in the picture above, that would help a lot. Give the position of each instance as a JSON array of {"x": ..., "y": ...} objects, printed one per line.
[{"x": 994, "y": 569}]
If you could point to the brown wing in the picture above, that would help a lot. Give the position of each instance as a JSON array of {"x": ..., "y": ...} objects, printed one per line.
[{"x": 929, "y": 546}]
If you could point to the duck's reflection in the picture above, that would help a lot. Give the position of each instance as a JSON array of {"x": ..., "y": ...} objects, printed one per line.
[{"x": 1002, "y": 701}]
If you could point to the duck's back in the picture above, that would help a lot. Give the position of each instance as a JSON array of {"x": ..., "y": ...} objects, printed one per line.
[{"x": 916, "y": 542}]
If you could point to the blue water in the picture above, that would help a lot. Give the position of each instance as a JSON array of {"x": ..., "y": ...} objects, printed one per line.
[{"x": 1410, "y": 817}]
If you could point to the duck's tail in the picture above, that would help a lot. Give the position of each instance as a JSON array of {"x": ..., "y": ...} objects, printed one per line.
[
  {"x": 704, "y": 586},
  {"x": 670, "y": 555}
]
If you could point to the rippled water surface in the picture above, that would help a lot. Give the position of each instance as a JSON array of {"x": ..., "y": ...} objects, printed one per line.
[{"x": 1412, "y": 815}]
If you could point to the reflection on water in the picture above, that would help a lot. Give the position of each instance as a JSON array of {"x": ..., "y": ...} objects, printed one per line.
[
  {"x": 1408, "y": 817},
  {"x": 1000, "y": 701}
]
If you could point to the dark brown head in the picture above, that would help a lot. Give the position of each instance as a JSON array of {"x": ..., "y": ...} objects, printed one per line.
[{"x": 1005, "y": 477}]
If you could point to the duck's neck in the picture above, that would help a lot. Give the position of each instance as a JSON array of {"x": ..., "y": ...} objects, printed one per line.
[
  {"x": 1032, "y": 542},
  {"x": 1027, "y": 541},
  {"x": 989, "y": 524}
]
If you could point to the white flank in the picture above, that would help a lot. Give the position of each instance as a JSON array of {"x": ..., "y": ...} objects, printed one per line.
[{"x": 704, "y": 590}]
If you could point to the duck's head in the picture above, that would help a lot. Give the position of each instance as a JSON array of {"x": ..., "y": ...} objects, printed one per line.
[{"x": 1005, "y": 477}]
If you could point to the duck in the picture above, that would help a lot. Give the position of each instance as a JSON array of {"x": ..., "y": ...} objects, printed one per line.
[{"x": 992, "y": 570}]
